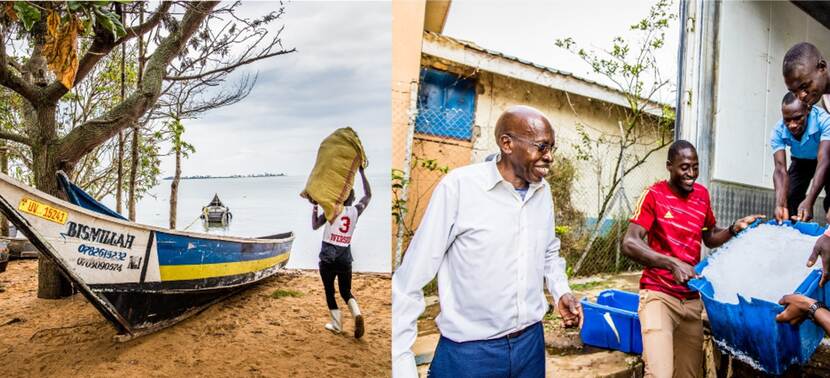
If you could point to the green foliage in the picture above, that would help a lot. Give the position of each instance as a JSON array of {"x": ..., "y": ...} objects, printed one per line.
[
  {"x": 89, "y": 13},
  {"x": 26, "y": 13},
  {"x": 176, "y": 129},
  {"x": 570, "y": 222}
]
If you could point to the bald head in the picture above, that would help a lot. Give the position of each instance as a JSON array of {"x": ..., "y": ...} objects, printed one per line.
[
  {"x": 521, "y": 120},
  {"x": 525, "y": 138}
]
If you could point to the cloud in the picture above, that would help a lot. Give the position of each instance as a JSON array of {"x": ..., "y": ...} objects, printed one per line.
[{"x": 339, "y": 76}]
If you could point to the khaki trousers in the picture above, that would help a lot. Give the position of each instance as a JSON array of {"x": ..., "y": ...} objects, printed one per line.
[{"x": 672, "y": 335}]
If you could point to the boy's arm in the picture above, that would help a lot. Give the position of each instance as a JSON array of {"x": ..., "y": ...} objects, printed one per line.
[
  {"x": 367, "y": 193},
  {"x": 780, "y": 181},
  {"x": 317, "y": 221},
  {"x": 805, "y": 208}
]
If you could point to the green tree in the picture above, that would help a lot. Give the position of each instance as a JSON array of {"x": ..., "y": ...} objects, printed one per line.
[
  {"x": 63, "y": 43},
  {"x": 645, "y": 125},
  {"x": 181, "y": 149}
]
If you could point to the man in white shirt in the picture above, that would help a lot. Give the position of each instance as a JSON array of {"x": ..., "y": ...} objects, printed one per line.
[{"x": 489, "y": 235}]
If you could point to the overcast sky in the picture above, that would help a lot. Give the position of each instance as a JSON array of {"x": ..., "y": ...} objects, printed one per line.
[
  {"x": 338, "y": 77},
  {"x": 528, "y": 29}
]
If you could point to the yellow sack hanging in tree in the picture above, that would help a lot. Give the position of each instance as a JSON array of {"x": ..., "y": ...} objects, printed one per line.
[
  {"x": 61, "y": 47},
  {"x": 338, "y": 159}
]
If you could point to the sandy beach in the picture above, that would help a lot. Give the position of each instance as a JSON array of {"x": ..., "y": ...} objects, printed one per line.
[{"x": 250, "y": 334}]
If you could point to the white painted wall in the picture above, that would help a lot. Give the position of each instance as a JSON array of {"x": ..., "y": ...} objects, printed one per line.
[{"x": 753, "y": 38}]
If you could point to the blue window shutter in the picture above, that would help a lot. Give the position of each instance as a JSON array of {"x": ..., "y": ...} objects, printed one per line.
[{"x": 446, "y": 105}]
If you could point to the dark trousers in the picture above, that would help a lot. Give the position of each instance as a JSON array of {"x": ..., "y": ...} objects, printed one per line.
[
  {"x": 800, "y": 174},
  {"x": 343, "y": 274},
  {"x": 509, "y": 357}
]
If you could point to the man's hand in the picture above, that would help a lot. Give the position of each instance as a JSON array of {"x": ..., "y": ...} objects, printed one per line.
[
  {"x": 570, "y": 310},
  {"x": 743, "y": 223},
  {"x": 805, "y": 211},
  {"x": 796, "y": 307},
  {"x": 822, "y": 248},
  {"x": 782, "y": 214},
  {"x": 682, "y": 272}
]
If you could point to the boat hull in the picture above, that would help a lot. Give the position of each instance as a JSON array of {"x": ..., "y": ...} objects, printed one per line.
[{"x": 141, "y": 278}]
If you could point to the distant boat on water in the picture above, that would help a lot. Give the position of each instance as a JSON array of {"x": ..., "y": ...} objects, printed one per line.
[{"x": 216, "y": 213}]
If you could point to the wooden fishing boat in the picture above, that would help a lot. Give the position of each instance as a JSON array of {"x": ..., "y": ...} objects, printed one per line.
[
  {"x": 216, "y": 213},
  {"x": 141, "y": 278}
]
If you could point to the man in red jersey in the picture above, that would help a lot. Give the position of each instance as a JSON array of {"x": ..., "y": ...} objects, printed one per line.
[{"x": 676, "y": 215}]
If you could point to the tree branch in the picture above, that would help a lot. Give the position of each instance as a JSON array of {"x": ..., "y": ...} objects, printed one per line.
[
  {"x": 227, "y": 69},
  {"x": 86, "y": 137},
  {"x": 14, "y": 137},
  {"x": 13, "y": 81},
  {"x": 101, "y": 47}
]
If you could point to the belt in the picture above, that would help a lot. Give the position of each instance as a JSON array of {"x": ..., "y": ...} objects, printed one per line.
[{"x": 520, "y": 332}]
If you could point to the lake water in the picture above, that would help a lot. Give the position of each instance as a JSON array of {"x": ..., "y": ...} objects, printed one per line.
[{"x": 270, "y": 205}]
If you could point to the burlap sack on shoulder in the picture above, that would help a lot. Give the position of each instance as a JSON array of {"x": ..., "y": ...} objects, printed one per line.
[{"x": 338, "y": 159}]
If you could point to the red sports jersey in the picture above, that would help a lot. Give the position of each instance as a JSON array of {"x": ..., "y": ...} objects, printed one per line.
[{"x": 675, "y": 228}]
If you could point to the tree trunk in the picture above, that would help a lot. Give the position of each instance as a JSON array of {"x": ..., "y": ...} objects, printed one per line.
[
  {"x": 136, "y": 134},
  {"x": 51, "y": 283},
  {"x": 4, "y": 167},
  {"x": 119, "y": 173},
  {"x": 133, "y": 172},
  {"x": 174, "y": 188}
]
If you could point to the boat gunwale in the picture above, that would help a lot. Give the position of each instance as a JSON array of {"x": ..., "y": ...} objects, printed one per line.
[{"x": 127, "y": 223}]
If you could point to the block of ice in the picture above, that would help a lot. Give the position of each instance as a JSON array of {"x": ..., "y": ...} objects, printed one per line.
[{"x": 765, "y": 262}]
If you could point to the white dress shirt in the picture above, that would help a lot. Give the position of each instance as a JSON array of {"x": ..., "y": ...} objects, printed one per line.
[{"x": 492, "y": 251}]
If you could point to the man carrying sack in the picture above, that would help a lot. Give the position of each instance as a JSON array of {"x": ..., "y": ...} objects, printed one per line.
[{"x": 339, "y": 157}]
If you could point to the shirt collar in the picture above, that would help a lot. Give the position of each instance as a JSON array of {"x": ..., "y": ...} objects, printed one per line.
[
  {"x": 494, "y": 177},
  {"x": 810, "y": 129}
]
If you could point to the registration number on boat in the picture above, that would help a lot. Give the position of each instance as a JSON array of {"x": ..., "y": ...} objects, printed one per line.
[{"x": 41, "y": 210}]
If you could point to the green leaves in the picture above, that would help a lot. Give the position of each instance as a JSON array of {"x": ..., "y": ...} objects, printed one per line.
[
  {"x": 27, "y": 13},
  {"x": 89, "y": 14},
  {"x": 110, "y": 21}
]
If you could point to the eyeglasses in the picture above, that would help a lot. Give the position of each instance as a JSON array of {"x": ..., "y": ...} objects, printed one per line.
[{"x": 543, "y": 148}]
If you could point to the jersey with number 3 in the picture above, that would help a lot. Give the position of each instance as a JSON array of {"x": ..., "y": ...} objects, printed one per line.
[{"x": 340, "y": 231}]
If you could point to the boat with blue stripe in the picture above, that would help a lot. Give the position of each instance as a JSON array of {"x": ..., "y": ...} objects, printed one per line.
[{"x": 141, "y": 278}]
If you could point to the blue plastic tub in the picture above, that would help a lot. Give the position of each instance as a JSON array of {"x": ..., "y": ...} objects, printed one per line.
[
  {"x": 612, "y": 322},
  {"x": 748, "y": 329}
]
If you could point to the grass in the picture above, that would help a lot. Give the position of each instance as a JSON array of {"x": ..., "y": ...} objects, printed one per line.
[
  {"x": 587, "y": 286},
  {"x": 280, "y": 293}
]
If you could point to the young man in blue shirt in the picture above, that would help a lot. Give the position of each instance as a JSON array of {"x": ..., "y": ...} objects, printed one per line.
[{"x": 805, "y": 130}]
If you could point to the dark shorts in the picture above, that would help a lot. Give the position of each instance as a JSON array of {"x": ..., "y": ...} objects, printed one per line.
[{"x": 337, "y": 255}]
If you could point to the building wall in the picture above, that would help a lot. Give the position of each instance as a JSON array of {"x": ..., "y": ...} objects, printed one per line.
[
  {"x": 752, "y": 40},
  {"x": 446, "y": 153},
  {"x": 407, "y": 35}
]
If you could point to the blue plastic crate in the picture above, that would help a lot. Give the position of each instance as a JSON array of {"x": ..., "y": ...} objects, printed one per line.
[
  {"x": 612, "y": 322},
  {"x": 748, "y": 329}
]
